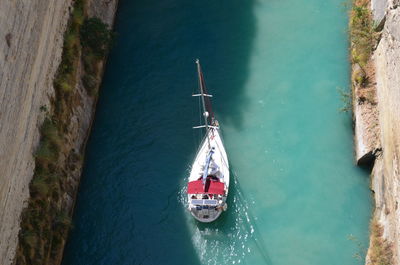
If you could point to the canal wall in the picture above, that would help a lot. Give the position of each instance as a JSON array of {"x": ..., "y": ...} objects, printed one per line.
[
  {"x": 31, "y": 34},
  {"x": 386, "y": 173},
  {"x": 32, "y": 37},
  {"x": 381, "y": 145}
]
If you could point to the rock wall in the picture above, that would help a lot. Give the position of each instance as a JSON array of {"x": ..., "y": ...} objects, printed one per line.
[
  {"x": 385, "y": 180},
  {"x": 365, "y": 115},
  {"x": 83, "y": 113},
  {"x": 31, "y": 37},
  {"x": 103, "y": 9}
]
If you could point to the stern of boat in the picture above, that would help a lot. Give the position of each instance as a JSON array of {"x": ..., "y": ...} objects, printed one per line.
[{"x": 206, "y": 210}]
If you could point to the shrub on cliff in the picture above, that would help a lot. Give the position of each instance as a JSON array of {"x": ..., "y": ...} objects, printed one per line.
[
  {"x": 381, "y": 250},
  {"x": 90, "y": 83},
  {"x": 50, "y": 142},
  {"x": 39, "y": 186},
  {"x": 361, "y": 32},
  {"x": 96, "y": 36}
]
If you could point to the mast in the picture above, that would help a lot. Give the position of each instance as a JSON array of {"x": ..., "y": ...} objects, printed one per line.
[{"x": 205, "y": 113}]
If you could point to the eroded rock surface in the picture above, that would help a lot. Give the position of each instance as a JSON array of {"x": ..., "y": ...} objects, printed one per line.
[
  {"x": 31, "y": 37},
  {"x": 386, "y": 173},
  {"x": 365, "y": 115}
]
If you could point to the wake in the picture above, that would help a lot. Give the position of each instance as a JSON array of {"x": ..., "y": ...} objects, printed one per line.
[{"x": 233, "y": 238}]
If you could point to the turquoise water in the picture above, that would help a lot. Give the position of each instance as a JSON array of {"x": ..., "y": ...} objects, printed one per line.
[{"x": 274, "y": 68}]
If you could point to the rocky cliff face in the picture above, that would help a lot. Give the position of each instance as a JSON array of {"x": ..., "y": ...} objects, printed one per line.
[
  {"x": 386, "y": 173},
  {"x": 387, "y": 177},
  {"x": 31, "y": 37}
]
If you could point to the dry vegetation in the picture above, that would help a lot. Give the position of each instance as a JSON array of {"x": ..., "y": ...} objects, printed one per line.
[
  {"x": 363, "y": 38},
  {"x": 381, "y": 252},
  {"x": 45, "y": 221},
  {"x": 362, "y": 34}
]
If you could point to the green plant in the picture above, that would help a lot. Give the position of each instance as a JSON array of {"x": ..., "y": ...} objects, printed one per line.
[
  {"x": 361, "y": 32},
  {"x": 46, "y": 151},
  {"x": 63, "y": 220},
  {"x": 96, "y": 36},
  {"x": 362, "y": 80},
  {"x": 49, "y": 129},
  {"x": 30, "y": 238},
  {"x": 66, "y": 87},
  {"x": 90, "y": 83},
  {"x": 90, "y": 61},
  {"x": 39, "y": 186},
  {"x": 77, "y": 15},
  {"x": 96, "y": 39},
  {"x": 43, "y": 108}
]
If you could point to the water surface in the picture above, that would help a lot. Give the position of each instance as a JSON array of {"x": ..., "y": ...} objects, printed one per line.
[{"x": 274, "y": 68}]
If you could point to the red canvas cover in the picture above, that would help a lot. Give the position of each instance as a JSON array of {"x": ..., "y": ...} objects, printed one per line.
[{"x": 211, "y": 187}]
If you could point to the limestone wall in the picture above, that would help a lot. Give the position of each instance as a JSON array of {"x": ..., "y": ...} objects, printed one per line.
[
  {"x": 31, "y": 34},
  {"x": 386, "y": 174},
  {"x": 31, "y": 38}
]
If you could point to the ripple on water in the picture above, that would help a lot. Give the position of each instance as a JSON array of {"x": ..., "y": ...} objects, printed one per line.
[{"x": 232, "y": 237}]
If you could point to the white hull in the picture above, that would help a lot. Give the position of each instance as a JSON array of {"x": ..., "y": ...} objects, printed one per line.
[{"x": 208, "y": 206}]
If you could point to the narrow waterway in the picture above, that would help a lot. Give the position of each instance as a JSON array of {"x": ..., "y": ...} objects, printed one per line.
[{"x": 274, "y": 68}]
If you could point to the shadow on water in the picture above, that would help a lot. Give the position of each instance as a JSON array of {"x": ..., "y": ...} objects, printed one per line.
[{"x": 141, "y": 142}]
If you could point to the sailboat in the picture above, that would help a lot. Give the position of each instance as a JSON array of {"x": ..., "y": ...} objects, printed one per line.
[{"x": 208, "y": 182}]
